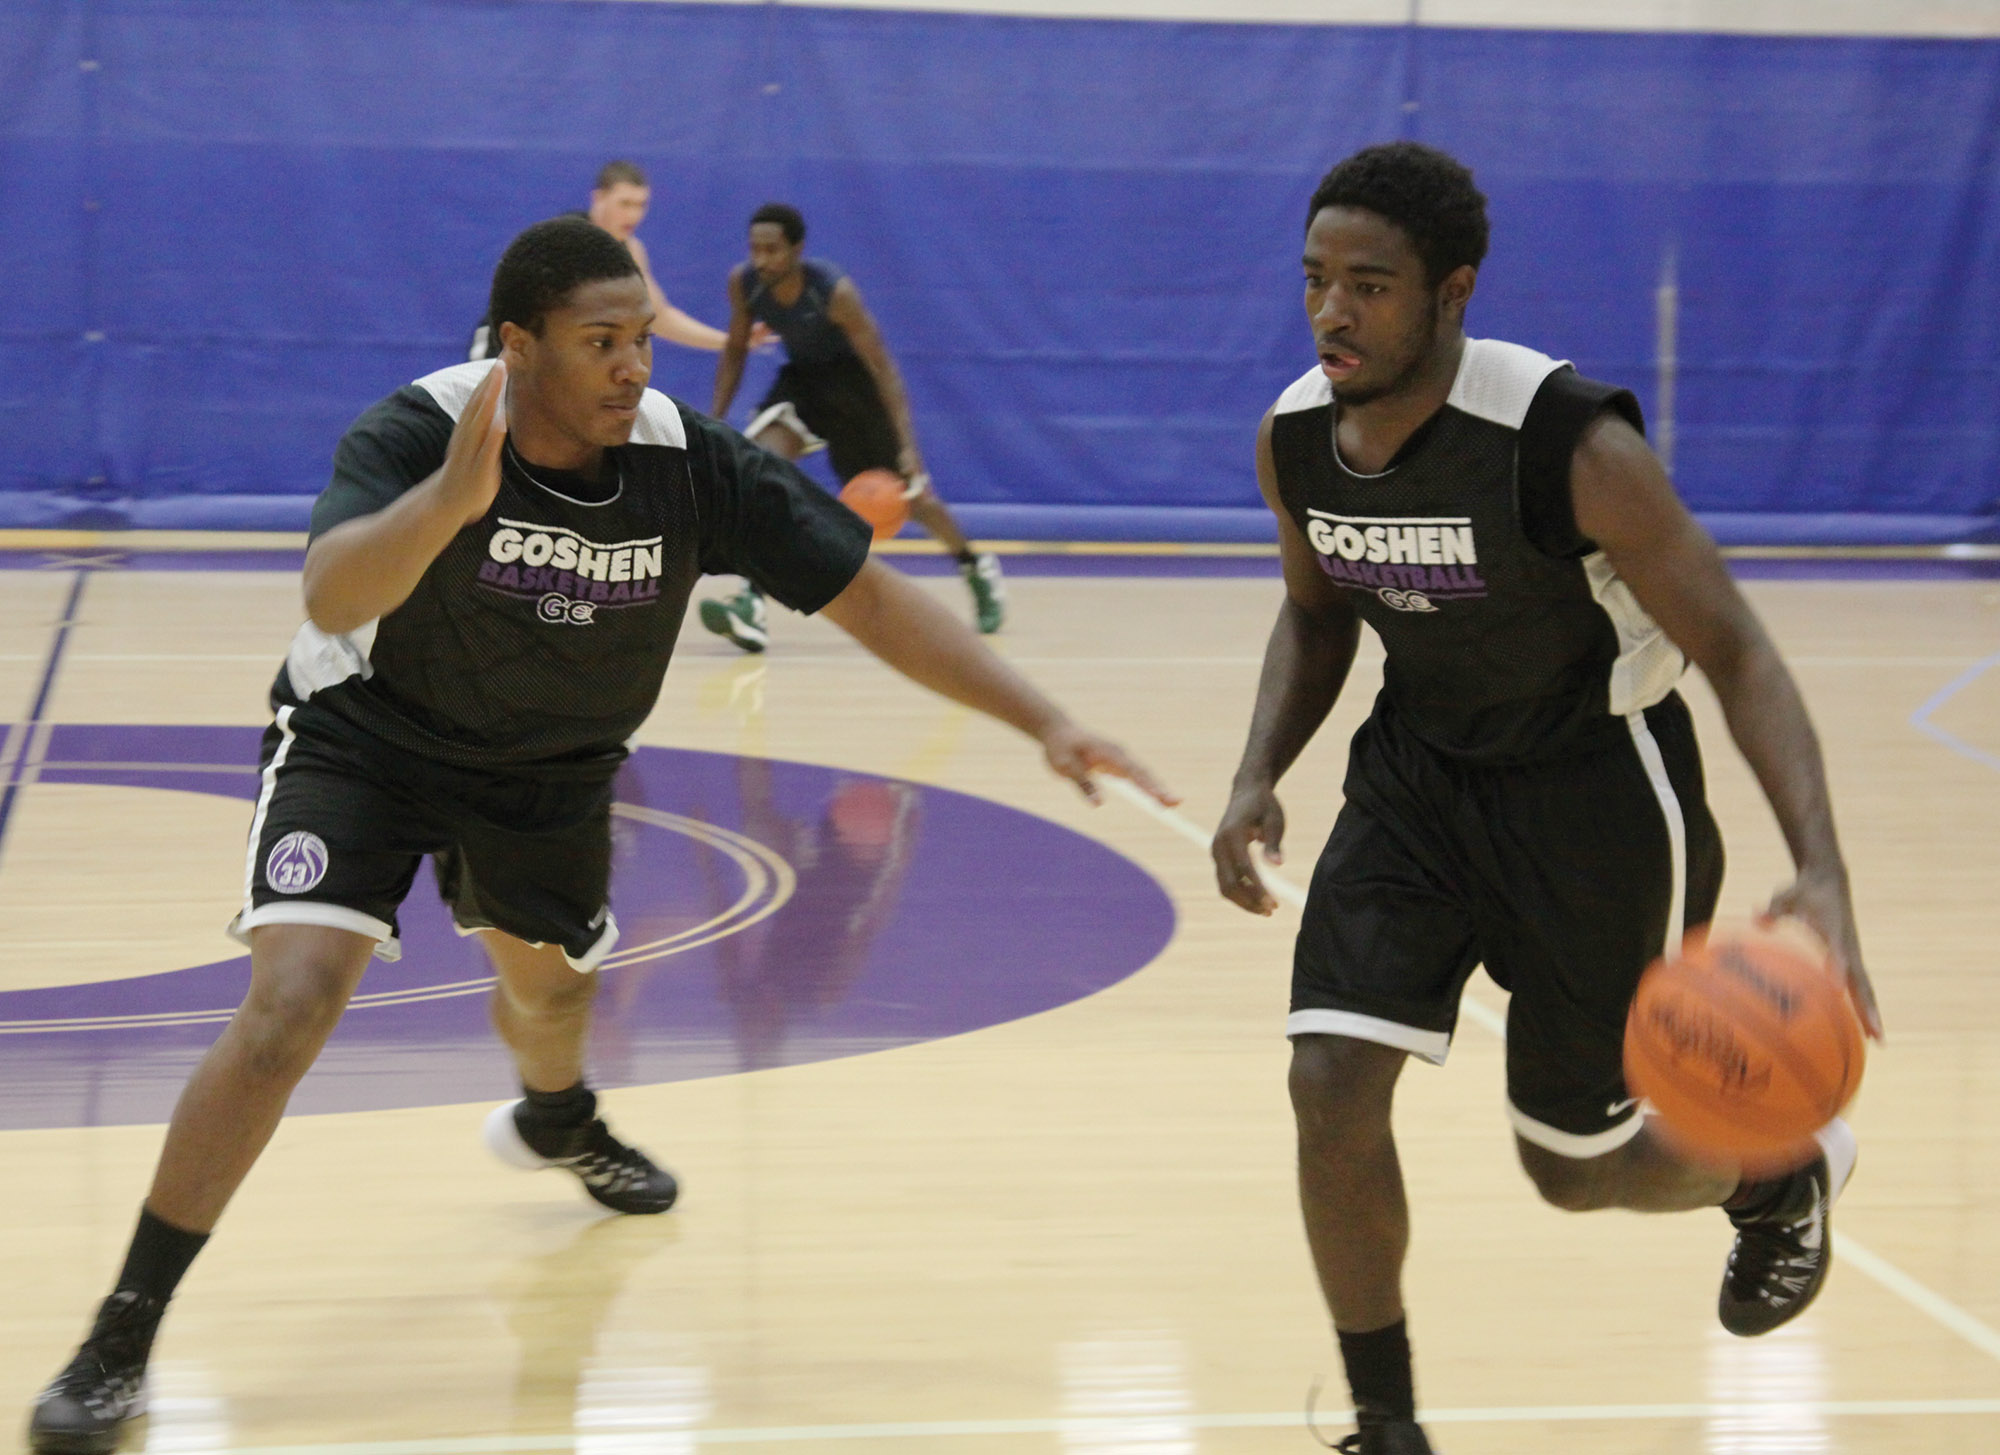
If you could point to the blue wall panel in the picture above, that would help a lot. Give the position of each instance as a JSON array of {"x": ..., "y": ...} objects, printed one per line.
[{"x": 1079, "y": 235}]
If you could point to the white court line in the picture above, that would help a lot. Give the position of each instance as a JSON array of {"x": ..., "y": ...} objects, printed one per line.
[
  {"x": 1113, "y": 1425},
  {"x": 1974, "y": 1331},
  {"x": 1921, "y": 718}
]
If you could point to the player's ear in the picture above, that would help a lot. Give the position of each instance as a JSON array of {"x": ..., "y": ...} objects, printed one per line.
[
  {"x": 516, "y": 345},
  {"x": 1456, "y": 290}
]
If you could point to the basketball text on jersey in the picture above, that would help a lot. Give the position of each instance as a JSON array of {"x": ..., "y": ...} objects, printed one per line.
[
  {"x": 567, "y": 575},
  {"x": 1409, "y": 562}
]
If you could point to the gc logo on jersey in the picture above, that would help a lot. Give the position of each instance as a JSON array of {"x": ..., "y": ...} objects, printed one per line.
[
  {"x": 296, "y": 862},
  {"x": 559, "y": 608},
  {"x": 1405, "y": 600}
]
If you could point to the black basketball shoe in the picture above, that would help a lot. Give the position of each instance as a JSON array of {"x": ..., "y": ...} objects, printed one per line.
[
  {"x": 623, "y": 1178},
  {"x": 1784, "y": 1245},
  {"x": 104, "y": 1385},
  {"x": 1397, "y": 1437}
]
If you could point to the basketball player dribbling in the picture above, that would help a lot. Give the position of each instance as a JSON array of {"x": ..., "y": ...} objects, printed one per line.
[
  {"x": 839, "y": 390},
  {"x": 496, "y": 578},
  {"x": 1527, "y": 791}
]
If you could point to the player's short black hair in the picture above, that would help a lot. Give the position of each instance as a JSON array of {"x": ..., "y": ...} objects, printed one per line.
[
  {"x": 786, "y": 217},
  {"x": 612, "y": 173},
  {"x": 1426, "y": 193},
  {"x": 550, "y": 261}
]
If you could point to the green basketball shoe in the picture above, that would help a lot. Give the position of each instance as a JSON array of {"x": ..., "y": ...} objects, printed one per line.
[
  {"x": 739, "y": 617},
  {"x": 989, "y": 592}
]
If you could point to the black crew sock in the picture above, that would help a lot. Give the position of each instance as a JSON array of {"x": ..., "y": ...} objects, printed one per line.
[
  {"x": 1763, "y": 1201},
  {"x": 1378, "y": 1373},
  {"x": 968, "y": 557},
  {"x": 159, "y": 1257},
  {"x": 573, "y": 1106}
]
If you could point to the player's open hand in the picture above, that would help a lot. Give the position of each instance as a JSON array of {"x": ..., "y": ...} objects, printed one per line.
[
  {"x": 471, "y": 476},
  {"x": 1079, "y": 756},
  {"x": 1821, "y": 902},
  {"x": 1254, "y": 816}
]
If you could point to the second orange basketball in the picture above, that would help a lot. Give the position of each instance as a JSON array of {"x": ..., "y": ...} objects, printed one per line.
[
  {"x": 1745, "y": 1043},
  {"x": 877, "y": 497}
]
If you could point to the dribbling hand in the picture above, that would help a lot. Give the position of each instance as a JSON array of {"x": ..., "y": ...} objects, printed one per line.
[
  {"x": 471, "y": 476},
  {"x": 1821, "y": 903},
  {"x": 1254, "y": 816}
]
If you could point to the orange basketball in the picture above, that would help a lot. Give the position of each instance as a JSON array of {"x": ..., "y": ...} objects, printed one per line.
[
  {"x": 1745, "y": 1043},
  {"x": 877, "y": 497}
]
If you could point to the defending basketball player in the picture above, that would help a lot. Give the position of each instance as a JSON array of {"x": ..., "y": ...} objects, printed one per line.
[
  {"x": 1527, "y": 791},
  {"x": 840, "y": 391},
  {"x": 496, "y": 579}
]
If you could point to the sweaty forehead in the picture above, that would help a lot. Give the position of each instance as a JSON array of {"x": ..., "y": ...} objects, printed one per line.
[{"x": 1345, "y": 236}]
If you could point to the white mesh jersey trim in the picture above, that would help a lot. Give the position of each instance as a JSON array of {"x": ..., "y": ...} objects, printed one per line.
[
  {"x": 319, "y": 660},
  {"x": 1498, "y": 381},
  {"x": 1648, "y": 664},
  {"x": 1309, "y": 391}
]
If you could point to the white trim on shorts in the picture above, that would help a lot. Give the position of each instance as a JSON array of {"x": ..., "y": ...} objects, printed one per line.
[
  {"x": 592, "y": 958},
  {"x": 313, "y": 912},
  {"x": 785, "y": 414},
  {"x": 264, "y": 792},
  {"x": 1670, "y": 810},
  {"x": 1431, "y": 1046},
  {"x": 1572, "y": 1144}
]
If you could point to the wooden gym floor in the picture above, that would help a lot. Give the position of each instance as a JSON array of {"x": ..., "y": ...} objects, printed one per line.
[{"x": 1072, "y": 1230}]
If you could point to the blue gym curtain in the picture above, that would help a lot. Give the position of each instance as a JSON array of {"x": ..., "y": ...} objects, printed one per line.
[{"x": 228, "y": 225}]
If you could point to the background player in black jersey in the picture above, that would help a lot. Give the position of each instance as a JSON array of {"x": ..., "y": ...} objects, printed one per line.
[
  {"x": 1527, "y": 791},
  {"x": 496, "y": 579},
  {"x": 839, "y": 390},
  {"x": 618, "y": 204}
]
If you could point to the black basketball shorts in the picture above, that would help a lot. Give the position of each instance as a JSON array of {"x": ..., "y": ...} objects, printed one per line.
[
  {"x": 1565, "y": 878},
  {"x": 836, "y": 405},
  {"x": 339, "y": 830}
]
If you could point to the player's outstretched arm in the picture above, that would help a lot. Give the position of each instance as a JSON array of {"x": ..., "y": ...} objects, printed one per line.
[
  {"x": 366, "y": 567},
  {"x": 671, "y": 323},
  {"x": 1306, "y": 663},
  {"x": 735, "y": 348},
  {"x": 900, "y": 623},
  {"x": 1625, "y": 503},
  {"x": 851, "y": 315}
]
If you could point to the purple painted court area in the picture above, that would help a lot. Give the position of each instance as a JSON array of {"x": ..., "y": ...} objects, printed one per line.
[{"x": 772, "y": 914}]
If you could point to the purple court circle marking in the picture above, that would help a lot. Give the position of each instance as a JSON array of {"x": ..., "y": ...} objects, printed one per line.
[{"x": 771, "y": 914}]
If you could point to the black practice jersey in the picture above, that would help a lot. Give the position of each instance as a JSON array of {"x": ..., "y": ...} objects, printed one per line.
[
  {"x": 1509, "y": 636},
  {"x": 812, "y": 339},
  {"x": 538, "y": 638}
]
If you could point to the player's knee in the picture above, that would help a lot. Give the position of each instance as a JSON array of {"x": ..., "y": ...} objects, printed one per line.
[
  {"x": 1341, "y": 1089},
  {"x": 1572, "y": 1184},
  {"x": 281, "y": 1027},
  {"x": 550, "y": 998}
]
